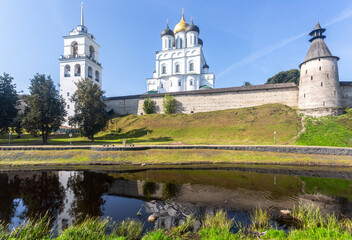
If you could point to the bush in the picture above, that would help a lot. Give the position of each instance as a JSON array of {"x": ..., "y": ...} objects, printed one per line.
[
  {"x": 148, "y": 106},
  {"x": 169, "y": 104}
]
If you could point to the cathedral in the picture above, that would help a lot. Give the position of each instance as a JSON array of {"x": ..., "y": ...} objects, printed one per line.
[
  {"x": 180, "y": 65},
  {"x": 80, "y": 61}
]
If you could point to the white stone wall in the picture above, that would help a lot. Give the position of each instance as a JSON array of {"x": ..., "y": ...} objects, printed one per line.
[
  {"x": 204, "y": 102},
  {"x": 346, "y": 96},
  {"x": 319, "y": 84}
]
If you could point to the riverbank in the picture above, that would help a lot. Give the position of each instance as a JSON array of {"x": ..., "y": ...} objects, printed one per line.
[
  {"x": 87, "y": 157},
  {"x": 306, "y": 222}
]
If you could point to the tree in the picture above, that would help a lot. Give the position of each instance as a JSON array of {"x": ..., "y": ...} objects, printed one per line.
[
  {"x": 148, "y": 106},
  {"x": 247, "y": 84},
  {"x": 90, "y": 115},
  {"x": 45, "y": 109},
  {"x": 285, "y": 76},
  {"x": 169, "y": 104},
  {"x": 8, "y": 102}
]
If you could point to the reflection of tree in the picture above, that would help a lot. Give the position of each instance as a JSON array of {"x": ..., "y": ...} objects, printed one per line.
[
  {"x": 88, "y": 189},
  {"x": 169, "y": 191},
  {"x": 7, "y": 205},
  {"x": 148, "y": 189},
  {"x": 41, "y": 193}
]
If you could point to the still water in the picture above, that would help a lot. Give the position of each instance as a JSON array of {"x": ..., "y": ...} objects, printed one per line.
[{"x": 173, "y": 194}]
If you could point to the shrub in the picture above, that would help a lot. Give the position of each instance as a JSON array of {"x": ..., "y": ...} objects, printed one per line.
[
  {"x": 169, "y": 104},
  {"x": 130, "y": 228},
  {"x": 148, "y": 106}
]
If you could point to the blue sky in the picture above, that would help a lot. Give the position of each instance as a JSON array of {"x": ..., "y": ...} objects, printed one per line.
[{"x": 243, "y": 40}]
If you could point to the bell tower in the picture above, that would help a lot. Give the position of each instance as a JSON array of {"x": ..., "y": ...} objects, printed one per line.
[{"x": 80, "y": 60}]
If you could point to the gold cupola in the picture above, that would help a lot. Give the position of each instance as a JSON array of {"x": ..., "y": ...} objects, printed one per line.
[{"x": 182, "y": 25}]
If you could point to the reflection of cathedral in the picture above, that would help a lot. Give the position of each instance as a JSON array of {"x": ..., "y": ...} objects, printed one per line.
[{"x": 180, "y": 65}]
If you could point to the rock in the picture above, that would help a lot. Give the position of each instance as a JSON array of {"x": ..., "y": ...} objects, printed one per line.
[
  {"x": 152, "y": 218},
  {"x": 153, "y": 201},
  {"x": 196, "y": 226},
  {"x": 285, "y": 212},
  {"x": 143, "y": 164}
]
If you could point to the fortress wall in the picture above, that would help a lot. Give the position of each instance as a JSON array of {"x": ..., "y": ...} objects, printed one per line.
[
  {"x": 346, "y": 95},
  {"x": 211, "y": 99}
]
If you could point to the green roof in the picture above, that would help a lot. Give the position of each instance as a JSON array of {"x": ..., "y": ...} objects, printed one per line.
[
  {"x": 152, "y": 92},
  {"x": 204, "y": 87}
]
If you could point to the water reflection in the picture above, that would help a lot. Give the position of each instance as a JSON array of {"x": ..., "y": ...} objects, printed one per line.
[{"x": 171, "y": 194}]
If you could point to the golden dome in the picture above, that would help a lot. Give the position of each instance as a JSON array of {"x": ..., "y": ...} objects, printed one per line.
[{"x": 181, "y": 26}]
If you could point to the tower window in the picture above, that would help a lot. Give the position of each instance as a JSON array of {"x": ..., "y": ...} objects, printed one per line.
[
  {"x": 161, "y": 85},
  {"x": 195, "y": 39},
  {"x": 163, "y": 69},
  {"x": 324, "y": 104},
  {"x": 319, "y": 68},
  {"x": 68, "y": 106},
  {"x": 90, "y": 72},
  {"x": 311, "y": 78},
  {"x": 306, "y": 71},
  {"x": 165, "y": 43},
  {"x": 97, "y": 77},
  {"x": 68, "y": 94},
  {"x": 91, "y": 52},
  {"x": 191, "y": 82},
  {"x": 75, "y": 49},
  {"x": 177, "y": 68},
  {"x": 321, "y": 84},
  {"x": 170, "y": 83},
  {"x": 327, "y": 75},
  {"x": 304, "y": 95},
  {"x": 77, "y": 70},
  {"x": 67, "y": 71},
  {"x": 191, "y": 66},
  {"x": 179, "y": 83},
  {"x": 169, "y": 44},
  {"x": 319, "y": 59}
]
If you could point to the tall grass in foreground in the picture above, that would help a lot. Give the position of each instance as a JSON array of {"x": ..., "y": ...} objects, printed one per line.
[{"x": 311, "y": 224}]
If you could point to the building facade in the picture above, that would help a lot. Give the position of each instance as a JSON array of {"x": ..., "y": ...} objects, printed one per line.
[
  {"x": 180, "y": 65},
  {"x": 80, "y": 61}
]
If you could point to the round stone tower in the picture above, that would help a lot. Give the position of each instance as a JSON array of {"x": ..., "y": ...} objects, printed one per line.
[{"x": 319, "y": 88}]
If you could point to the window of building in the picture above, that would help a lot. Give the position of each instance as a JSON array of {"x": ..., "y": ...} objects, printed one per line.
[
  {"x": 97, "y": 76},
  {"x": 191, "y": 66},
  {"x": 163, "y": 69},
  {"x": 161, "y": 85},
  {"x": 191, "y": 82},
  {"x": 321, "y": 84},
  {"x": 177, "y": 68},
  {"x": 179, "y": 83},
  {"x": 304, "y": 95},
  {"x": 169, "y": 44},
  {"x": 170, "y": 83},
  {"x": 311, "y": 78},
  {"x": 319, "y": 59},
  {"x": 67, "y": 71},
  {"x": 319, "y": 68},
  {"x": 75, "y": 49},
  {"x": 327, "y": 75},
  {"x": 324, "y": 104},
  {"x": 68, "y": 94},
  {"x": 77, "y": 70},
  {"x": 165, "y": 43},
  {"x": 90, "y": 72},
  {"x": 91, "y": 52},
  {"x": 306, "y": 71},
  {"x": 68, "y": 106},
  {"x": 180, "y": 42}
]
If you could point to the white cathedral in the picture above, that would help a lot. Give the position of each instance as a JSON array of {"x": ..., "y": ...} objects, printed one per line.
[
  {"x": 180, "y": 65},
  {"x": 80, "y": 60}
]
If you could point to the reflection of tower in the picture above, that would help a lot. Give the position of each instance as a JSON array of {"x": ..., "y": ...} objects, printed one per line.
[
  {"x": 80, "y": 60},
  {"x": 65, "y": 219}
]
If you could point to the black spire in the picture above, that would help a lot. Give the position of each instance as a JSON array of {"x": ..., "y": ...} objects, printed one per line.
[{"x": 317, "y": 32}]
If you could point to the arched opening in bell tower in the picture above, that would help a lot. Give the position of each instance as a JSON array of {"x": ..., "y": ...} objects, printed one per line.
[{"x": 74, "y": 49}]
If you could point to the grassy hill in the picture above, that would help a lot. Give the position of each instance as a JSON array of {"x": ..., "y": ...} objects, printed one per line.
[{"x": 254, "y": 125}]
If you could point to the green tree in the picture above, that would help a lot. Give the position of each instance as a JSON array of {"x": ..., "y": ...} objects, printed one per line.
[
  {"x": 169, "y": 104},
  {"x": 285, "y": 76},
  {"x": 8, "y": 102},
  {"x": 90, "y": 115},
  {"x": 45, "y": 109},
  {"x": 247, "y": 84},
  {"x": 148, "y": 106}
]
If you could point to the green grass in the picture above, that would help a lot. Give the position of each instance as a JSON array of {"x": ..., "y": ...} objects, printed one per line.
[
  {"x": 312, "y": 224},
  {"x": 328, "y": 131},
  {"x": 254, "y": 125}
]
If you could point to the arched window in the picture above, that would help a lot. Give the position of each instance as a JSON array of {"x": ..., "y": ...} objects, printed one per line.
[
  {"x": 191, "y": 82},
  {"x": 179, "y": 83},
  {"x": 90, "y": 72},
  {"x": 180, "y": 42},
  {"x": 170, "y": 44},
  {"x": 75, "y": 49},
  {"x": 170, "y": 83},
  {"x": 77, "y": 70},
  {"x": 163, "y": 69},
  {"x": 91, "y": 52},
  {"x": 67, "y": 71},
  {"x": 195, "y": 39},
  {"x": 191, "y": 66},
  {"x": 97, "y": 76},
  {"x": 177, "y": 68}
]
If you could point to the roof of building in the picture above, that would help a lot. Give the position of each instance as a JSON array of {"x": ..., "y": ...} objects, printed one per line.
[
  {"x": 200, "y": 41},
  {"x": 182, "y": 25},
  {"x": 205, "y": 65},
  {"x": 213, "y": 90},
  {"x": 192, "y": 28},
  {"x": 318, "y": 48}
]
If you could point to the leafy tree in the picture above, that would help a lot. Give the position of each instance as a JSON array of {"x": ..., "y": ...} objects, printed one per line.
[
  {"x": 148, "y": 106},
  {"x": 285, "y": 76},
  {"x": 45, "y": 109},
  {"x": 8, "y": 102},
  {"x": 247, "y": 84},
  {"x": 90, "y": 115},
  {"x": 169, "y": 104}
]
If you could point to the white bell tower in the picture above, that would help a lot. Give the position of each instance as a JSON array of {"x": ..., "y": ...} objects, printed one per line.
[{"x": 80, "y": 60}]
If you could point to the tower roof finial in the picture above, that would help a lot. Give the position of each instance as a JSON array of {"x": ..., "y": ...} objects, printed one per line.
[
  {"x": 82, "y": 17},
  {"x": 167, "y": 23}
]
